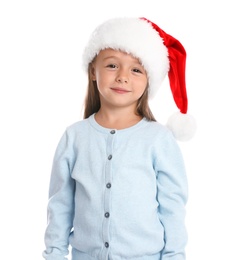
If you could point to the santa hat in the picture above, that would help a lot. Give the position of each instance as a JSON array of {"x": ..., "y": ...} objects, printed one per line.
[{"x": 159, "y": 53}]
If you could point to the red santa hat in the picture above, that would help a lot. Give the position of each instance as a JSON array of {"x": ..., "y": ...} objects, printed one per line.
[{"x": 159, "y": 53}]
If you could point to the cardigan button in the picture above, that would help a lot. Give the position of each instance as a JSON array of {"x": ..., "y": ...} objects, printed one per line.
[
  {"x": 106, "y": 215},
  {"x": 110, "y": 157},
  {"x": 112, "y": 132},
  {"x": 106, "y": 244},
  {"x": 108, "y": 185}
]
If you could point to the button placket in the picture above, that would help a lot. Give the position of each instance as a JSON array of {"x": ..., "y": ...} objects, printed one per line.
[{"x": 107, "y": 192}]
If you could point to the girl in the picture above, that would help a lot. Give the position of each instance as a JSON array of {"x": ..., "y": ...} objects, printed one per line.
[{"x": 118, "y": 186}]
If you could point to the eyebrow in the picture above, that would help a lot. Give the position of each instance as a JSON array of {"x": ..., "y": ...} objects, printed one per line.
[
  {"x": 109, "y": 57},
  {"x": 115, "y": 57}
]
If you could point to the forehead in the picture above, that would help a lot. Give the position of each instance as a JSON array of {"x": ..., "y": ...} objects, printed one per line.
[{"x": 112, "y": 53}]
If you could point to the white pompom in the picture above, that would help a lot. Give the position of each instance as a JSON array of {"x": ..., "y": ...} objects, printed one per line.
[{"x": 183, "y": 126}]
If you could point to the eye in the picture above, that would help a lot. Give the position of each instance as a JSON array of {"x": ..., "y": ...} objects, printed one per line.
[
  {"x": 112, "y": 66},
  {"x": 137, "y": 70}
]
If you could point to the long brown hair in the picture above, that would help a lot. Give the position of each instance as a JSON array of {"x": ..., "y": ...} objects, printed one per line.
[{"x": 92, "y": 100}]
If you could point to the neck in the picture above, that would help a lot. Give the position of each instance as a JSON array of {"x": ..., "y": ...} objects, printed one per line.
[{"x": 117, "y": 118}]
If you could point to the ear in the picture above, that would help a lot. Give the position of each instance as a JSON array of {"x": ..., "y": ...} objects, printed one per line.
[{"x": 92, "y": 72}]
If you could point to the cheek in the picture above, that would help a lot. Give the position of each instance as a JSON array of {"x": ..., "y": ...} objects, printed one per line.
[
  {"x": 102, "y": 77},
  {"x": 142, "y": 87},
  {"x": 99, "y": 80},
  {"x": 101, "y": 83}
]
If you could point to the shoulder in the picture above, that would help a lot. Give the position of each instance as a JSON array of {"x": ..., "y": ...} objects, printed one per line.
[
  {"x": 160, "y": 137},
  {"x": 78, "y": 126},
  {"x": 157, "y": 130},
  {"x": 72, "y": 131},
  {"x": 164, "y": 145}
]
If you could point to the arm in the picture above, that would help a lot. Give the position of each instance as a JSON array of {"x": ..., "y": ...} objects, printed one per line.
[
  {"x": 61, "y": 202},
  {"x": 172, "y": 198}
]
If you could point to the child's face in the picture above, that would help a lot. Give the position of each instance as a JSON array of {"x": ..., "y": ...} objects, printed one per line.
[{"x": 121, "y": 79}]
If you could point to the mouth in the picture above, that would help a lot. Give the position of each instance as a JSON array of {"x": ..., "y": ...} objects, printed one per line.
[{"x": 120, "y": 90}]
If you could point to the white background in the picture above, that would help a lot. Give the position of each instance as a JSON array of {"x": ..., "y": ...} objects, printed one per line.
[{"x": 42, "y": 89}]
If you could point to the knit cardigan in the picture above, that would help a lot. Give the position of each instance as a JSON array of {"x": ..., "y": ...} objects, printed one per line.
[{"x": 117, "y": 194}]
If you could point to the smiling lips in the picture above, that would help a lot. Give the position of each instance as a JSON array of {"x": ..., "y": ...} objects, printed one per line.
[{"x": 120, "y": 90}]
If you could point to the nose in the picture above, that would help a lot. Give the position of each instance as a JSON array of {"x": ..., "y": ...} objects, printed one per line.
[{"x": 122, "y": 77}]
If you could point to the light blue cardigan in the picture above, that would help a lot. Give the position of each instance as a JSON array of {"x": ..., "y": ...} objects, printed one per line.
[{"x": 117, "y": 194}]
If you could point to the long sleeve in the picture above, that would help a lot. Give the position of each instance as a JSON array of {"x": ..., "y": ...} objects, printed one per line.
[
  {"x": 172, "y": 197},
  {"x": 61, "y": 202}
]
